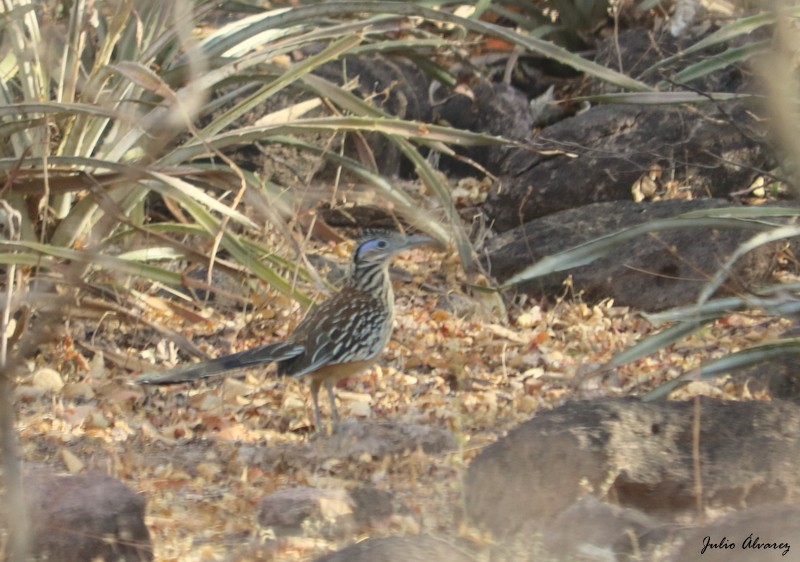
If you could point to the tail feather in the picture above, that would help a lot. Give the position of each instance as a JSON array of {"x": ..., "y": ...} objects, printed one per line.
[{"x": 248, "y": 358}]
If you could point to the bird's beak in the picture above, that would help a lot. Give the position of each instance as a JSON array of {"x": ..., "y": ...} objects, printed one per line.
[{"x": 418, "y": 240}]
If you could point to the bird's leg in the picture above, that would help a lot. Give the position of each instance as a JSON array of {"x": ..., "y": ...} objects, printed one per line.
[
  {"x": 315, "y": 398},
  {"x": 332, "y": 398}
]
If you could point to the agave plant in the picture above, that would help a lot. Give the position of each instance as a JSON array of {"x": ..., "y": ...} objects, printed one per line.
[{"x": 101, "y": 106}]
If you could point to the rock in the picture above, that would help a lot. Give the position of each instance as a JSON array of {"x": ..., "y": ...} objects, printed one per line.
[
  {"x": 780, "y": 377},
  {"x": 371, "y": 505},
  {"x": 590, "y": 526},
  {"x": 495, "y": 109},
  {"x": 610, "y": 147},
  {"x": 287, "y": 510},
  {"x": 48, "y": 380},
  {"x": 765, "y": 532},
  {"x": 638, "y": 49},
  {"x": 333, "y": 513},
  {"x": 639, "y": 455},
  {"x": 356, "y": 439},
  {"x": 85, "y": 517},
  {"x": 352, "y": 440},
  {"x": 422, "y": 548},
  {"x": 391, "y": 84},
  {"x": 648, "y": 273},
  {"x": 599, "y": 155}
]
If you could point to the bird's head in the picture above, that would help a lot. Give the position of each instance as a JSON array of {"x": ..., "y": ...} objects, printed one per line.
[{"x": 377, "y": 247}]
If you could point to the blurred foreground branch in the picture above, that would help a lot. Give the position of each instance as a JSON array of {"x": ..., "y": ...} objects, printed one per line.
[{"x": 14, "y": 500}]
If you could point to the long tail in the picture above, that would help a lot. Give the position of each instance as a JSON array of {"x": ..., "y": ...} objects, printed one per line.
[{"x": 248, "y": 358}]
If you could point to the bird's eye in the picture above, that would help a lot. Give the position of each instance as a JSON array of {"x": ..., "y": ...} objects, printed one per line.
[{"x": 381, "y": 244}]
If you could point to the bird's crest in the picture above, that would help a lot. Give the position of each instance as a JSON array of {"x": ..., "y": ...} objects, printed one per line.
[{"x": 370, "y": 233}]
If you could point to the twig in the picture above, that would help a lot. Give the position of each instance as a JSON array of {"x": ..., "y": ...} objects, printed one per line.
[{"x": 698, "y": 478}]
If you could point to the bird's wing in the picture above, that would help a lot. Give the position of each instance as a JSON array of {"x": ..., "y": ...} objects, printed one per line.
[
  {"x": 260, "y": 355},
  {"x": 344, "y": 329}
]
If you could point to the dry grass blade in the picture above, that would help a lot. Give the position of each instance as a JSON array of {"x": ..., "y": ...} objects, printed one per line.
[
  {"x": 587, "y": 252},
  {"x": 665, "y": 98},
  {"x": 724, "y": 271},
  {"x": 738, "y": 28},
  {"x": 755, "y": 355},
  {"x": 658, "y": 341}
]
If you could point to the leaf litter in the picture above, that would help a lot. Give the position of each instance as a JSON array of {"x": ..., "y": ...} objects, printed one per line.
[{"x": 190, "y": 448}]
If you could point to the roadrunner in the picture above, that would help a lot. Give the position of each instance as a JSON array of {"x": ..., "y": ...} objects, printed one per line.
[{"x": 339, "y": 338}]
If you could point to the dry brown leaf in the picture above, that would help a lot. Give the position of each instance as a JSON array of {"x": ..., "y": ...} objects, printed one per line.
[{"x": 72, "y": 462}]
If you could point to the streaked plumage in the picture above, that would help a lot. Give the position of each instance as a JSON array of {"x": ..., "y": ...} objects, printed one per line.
[{"x": 339, "y": 338}]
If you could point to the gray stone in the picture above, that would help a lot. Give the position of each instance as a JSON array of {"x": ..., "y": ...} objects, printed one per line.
[
  {"x": 650, "y": 272},
  {"x": 332, "y": 513},
  {"x": 766, "y": 532},
  {"x": 85, "y": 517},
  {"x": 637, "y": 455}
]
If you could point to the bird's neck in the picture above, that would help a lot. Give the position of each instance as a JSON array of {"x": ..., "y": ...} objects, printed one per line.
[{"x": 372, "y": 278}]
